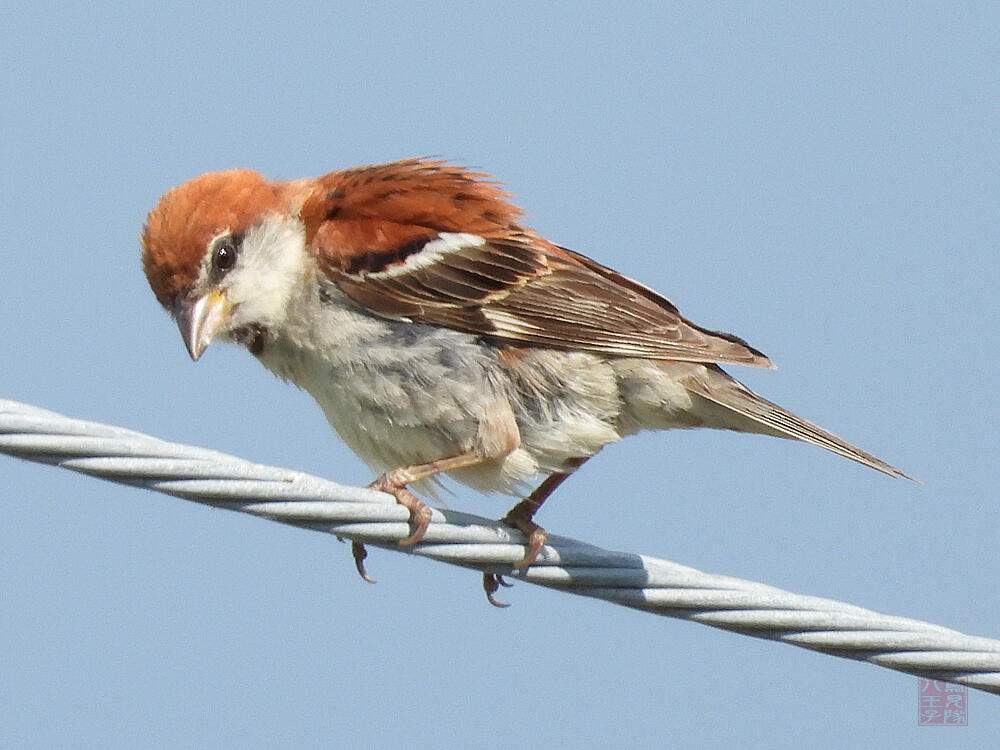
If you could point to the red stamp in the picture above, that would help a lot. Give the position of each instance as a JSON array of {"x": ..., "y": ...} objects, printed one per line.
[{"x": 941, "y": 703}]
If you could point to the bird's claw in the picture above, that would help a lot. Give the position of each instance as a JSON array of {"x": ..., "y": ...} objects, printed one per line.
[
  {"x": 420, "y": 512},
  {"x": 492, "y": 582},
  {"x": 360, "y": 553},
  {"x": 537, "y": 537}
]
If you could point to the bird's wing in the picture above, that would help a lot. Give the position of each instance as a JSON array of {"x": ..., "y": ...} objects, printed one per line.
[
  {"x": 524, "y": 293},
  {"x": 433, "y": 243}
]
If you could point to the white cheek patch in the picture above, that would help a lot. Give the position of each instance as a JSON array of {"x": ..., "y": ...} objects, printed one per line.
[
  {"x": 269, "y": 271},
  {"x": 431, "y": 253}
]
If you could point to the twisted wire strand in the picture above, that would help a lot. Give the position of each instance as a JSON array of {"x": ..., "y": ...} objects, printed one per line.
[{"x": 569, "y": 565}]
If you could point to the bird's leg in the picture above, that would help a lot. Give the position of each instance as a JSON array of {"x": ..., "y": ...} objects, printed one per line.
[
  {"x": 394, "y": 482},
  {"x": 520, "y": 518},
  {"x": 521, "y": 514}
]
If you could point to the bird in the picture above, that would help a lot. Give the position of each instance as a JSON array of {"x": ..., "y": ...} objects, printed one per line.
[{"x": 440, "y": 335}]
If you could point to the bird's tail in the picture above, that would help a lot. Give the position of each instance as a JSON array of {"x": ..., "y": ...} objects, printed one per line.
[{"x": 767, "y": 417}]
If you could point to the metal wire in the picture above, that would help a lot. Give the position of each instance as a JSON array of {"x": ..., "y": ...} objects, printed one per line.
[{"x": 632, "y": 580}]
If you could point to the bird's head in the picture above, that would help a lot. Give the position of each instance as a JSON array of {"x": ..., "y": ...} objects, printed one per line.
[
  {"x": 222, "y": 253},
  {"x": 226, "y": 251}
]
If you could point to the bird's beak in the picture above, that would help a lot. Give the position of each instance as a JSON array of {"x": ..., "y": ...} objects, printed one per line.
[{"x": 201, "y": 319}]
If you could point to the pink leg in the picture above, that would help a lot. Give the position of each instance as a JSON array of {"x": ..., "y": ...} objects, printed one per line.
[
  {"x": 520, "y": 517},
  {"x": 394, "y": 482}
]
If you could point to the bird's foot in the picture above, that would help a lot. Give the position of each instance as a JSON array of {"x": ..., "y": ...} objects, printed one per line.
[
  {"x": 420, "y": 513},
  {"x": 537, "y": 536},
  {"x": 492, "y": 582}
]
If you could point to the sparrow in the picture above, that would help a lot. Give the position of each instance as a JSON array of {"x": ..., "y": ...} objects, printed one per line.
[{"x": 440, "y": 335}]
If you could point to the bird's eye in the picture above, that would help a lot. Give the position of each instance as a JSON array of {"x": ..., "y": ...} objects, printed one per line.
[{"x": 224, "y": 254}]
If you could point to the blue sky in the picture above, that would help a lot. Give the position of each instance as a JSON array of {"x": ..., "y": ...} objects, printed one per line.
[{"x": 824, "y": 183}]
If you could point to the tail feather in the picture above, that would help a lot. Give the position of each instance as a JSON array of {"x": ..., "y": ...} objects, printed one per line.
[{"x": 721, "y": 389}]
